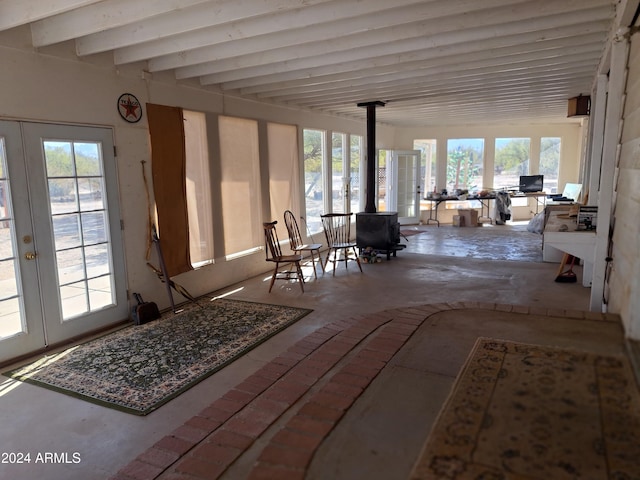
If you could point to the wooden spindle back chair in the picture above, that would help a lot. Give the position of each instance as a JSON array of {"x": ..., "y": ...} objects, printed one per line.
[
  {"x": 337, "y": 230},
  {"x": 273, "y": 253},
  {"x": 297, "y": 243}
]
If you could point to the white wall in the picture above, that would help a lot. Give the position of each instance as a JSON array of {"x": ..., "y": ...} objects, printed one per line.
[
  {"x": 54, "y": 86},
  {"x": 624, "y": 279}
]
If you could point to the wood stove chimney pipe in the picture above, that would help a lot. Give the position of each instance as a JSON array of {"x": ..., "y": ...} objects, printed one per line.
[{"x": 370, "y": 205}]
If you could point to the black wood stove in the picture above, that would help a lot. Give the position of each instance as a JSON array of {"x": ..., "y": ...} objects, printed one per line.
[{"x": 380, "y": 231}]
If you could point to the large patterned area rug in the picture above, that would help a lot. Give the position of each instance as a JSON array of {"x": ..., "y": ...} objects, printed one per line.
[
  {"x": 139, "y": 368},
  {"x": 533, "y": 412}
]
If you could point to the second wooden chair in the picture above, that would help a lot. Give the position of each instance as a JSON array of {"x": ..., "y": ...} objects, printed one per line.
[
  {"x": 297, "y": 243},
  {"x": 337, "y": 230}
]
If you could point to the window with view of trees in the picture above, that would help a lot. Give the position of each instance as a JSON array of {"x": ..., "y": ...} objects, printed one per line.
[
  {"x": 331, "y": 180},
  {"x": 337, "y": 172},
  {"x": 550, "y": 162},
  {"x": 512, "y": 157},
  {"x": 355, "y": 159},
  {"x": 313, "y": 187},
  {"x": 465, "y": 157},
  {"x": 427, "y": 164}
]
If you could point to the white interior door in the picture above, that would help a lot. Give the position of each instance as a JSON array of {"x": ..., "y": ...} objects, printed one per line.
[
  {"x": 61, "y": 259},
  {"x": 403, "y": 185}
]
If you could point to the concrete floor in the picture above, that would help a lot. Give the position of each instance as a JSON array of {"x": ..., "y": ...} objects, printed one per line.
[{"x": 381, "y": 434}]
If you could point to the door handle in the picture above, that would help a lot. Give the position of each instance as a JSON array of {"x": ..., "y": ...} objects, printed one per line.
[{"x": 30, "y": 255}]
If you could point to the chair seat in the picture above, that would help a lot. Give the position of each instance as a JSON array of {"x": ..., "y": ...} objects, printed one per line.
[
  {"x": 285, "y": 258},
  {"x": 309, "y": 246},
  {"x": 343, "y": 245}
]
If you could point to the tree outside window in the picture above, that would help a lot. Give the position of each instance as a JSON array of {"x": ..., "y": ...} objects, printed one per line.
[
  {"x": 511, "y": 160},
  {"x": 465, "y": 159},
  {"x": 550, "y": 162},
  {"x": 313, "y": 189}
]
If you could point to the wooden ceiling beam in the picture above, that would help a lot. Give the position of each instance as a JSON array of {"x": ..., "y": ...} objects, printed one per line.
[
  {"x": 569, "y": 38},
  {"x": 237, "y": 68},
  {"x": 14, "y": 13},
  {"x": 255, "y": 33},
  {"x": 100, "y": 17},
  {"x": 205, "y": 15},
  {"x": 442, "y": 68}
]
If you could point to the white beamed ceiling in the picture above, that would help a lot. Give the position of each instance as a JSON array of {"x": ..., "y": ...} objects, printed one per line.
[{"x": 433, "y": 62}]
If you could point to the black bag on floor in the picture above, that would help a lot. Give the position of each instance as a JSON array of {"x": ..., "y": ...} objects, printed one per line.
[{"x": 144, "y": 312}]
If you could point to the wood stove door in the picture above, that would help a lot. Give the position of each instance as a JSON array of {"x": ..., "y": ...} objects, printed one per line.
[{"x": 403, "y": 185}]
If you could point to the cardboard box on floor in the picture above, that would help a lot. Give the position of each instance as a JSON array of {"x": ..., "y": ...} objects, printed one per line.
[
  {"x": 469, "y": 217},
  {"x": 458, "y": 221}
]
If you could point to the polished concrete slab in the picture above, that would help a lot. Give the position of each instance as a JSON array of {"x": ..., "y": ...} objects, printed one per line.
[{"x": 444, "y": 265}]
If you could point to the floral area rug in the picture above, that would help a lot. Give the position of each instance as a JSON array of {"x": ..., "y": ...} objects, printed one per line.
[
  {"x": 524, "y": 411},
  {"x": 139, "y": 368}
]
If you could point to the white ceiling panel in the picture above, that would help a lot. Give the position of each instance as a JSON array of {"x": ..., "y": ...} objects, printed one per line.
[{"x": 431, "y": 61}]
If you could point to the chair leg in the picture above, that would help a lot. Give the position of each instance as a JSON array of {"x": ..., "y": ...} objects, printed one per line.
[
  {"x": 357, "y": 258},
  {"x": 273, "y": 277},
  {"x": 326, "y": 262},
  {"x": 300, "y": 276},
  {"x": 320, "y": 260},
  {"x": 313, "y": 263}
]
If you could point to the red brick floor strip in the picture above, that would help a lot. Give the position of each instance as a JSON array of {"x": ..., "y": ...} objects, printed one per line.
[{"x": 314, "y": 382}]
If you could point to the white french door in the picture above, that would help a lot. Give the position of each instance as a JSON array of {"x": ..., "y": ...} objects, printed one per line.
[
  {"x": 346, "y": 151},
  {"x": 61, "y": 258},
  {"x": 403, "y": 185}
]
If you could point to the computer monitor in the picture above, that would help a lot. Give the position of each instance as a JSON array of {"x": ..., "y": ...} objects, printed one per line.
[
  {"x": 572, "y": 191},
  {"x": 531, "y": 183}
]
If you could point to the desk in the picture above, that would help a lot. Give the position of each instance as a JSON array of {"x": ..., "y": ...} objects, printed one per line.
[
  {"x": 433, "y": 212},
  {"x": 536, "y": 195},
  {"x": 579, "y": 243},
  {"x": 484, "y": 204}
]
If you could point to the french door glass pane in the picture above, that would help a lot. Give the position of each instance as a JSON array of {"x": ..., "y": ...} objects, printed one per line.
[
  {"x": 405, "y": 185},
  {"x": 70, "y": 263},
  {"x": 337, "y": 172},
  {"x": 81, "y": 233},
  {"x": 427, "y": 149},
  {"x": 10, "y": 317},
  {"x": 356, "y": 155},
  {"x": 381, "y": 180},
  {"x": 11, "y": 307}
]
